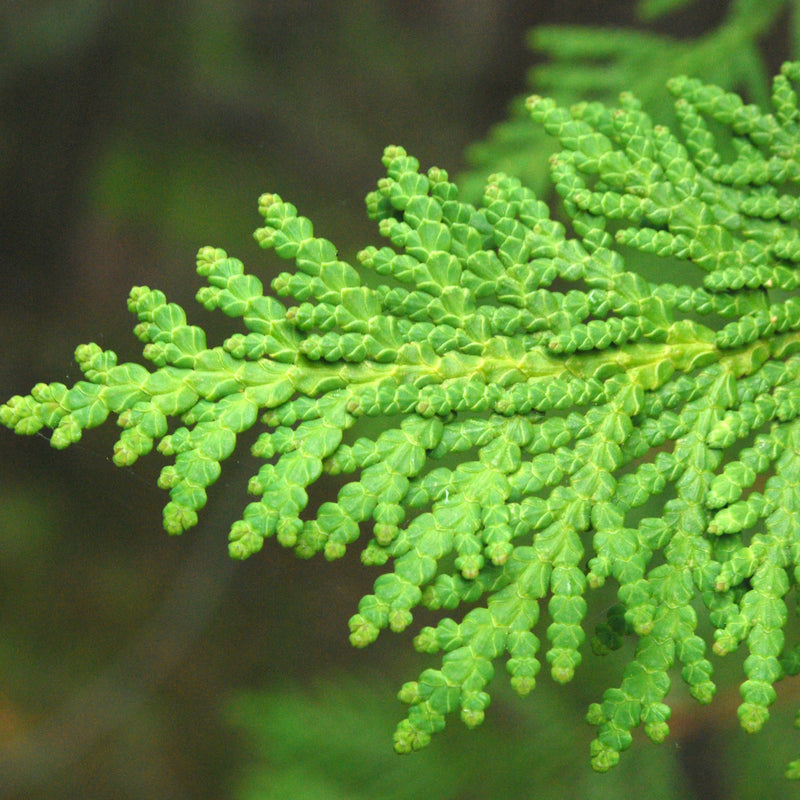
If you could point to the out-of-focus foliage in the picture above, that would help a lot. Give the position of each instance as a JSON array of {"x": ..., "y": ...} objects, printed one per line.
[
  {"x": 596, "y": 63},
  {"x": 295, "y": 743},
  {"x": 303, "y": 741}
]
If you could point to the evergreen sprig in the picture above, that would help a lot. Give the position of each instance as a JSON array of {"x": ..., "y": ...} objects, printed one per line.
[{"x": 551, "y": 419}]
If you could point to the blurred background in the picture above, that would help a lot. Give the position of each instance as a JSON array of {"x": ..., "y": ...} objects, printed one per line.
[{"x": 134, "y": 665}]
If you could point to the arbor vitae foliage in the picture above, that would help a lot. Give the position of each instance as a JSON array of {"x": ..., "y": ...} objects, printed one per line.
[{"x": 604, "y": 393}]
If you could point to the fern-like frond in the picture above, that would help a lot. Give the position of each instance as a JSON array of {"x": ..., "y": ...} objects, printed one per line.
[{"x": 552, "y": 419}]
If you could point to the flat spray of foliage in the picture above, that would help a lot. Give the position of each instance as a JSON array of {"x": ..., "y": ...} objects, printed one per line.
[{"x": 549, "y": 420}]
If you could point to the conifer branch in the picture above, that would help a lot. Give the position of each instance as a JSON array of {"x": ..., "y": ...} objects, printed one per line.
[{"x": 555, "y": 412}]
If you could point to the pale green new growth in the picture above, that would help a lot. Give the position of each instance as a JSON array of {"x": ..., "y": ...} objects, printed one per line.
[{"x": 551, "y": 419}]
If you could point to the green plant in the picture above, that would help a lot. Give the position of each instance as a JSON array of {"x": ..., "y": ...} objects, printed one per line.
[{"x": 526, "y": 408}]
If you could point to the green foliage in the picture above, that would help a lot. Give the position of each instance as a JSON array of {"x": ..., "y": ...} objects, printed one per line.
[{"x": 550, "y": 420}]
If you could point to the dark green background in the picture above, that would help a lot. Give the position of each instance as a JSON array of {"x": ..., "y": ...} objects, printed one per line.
[{"x": 130, "y": 135}]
